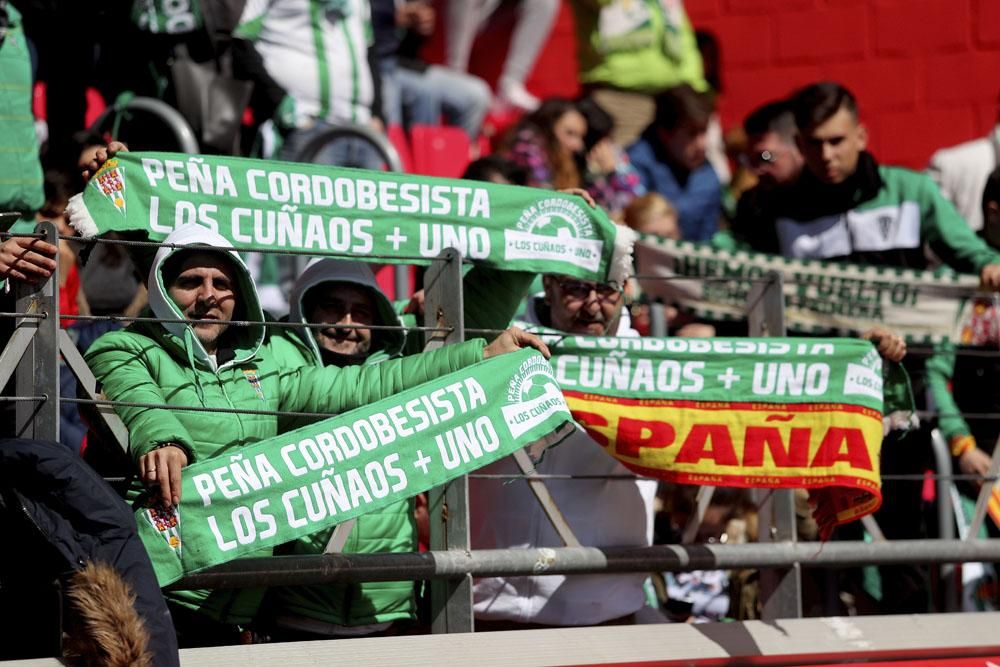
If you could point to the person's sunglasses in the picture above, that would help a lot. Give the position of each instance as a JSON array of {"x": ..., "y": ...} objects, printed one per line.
[
  {"x": 757, "y": 160},
  {"x": 581, "y": 289}
]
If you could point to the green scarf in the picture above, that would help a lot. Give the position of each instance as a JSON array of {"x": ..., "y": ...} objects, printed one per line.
[
  {"x": 277, "y": 490},
  {"x": 372, "y": 216}
]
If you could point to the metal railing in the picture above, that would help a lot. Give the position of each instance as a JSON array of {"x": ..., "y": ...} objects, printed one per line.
[{"x": 37, "y": 343}]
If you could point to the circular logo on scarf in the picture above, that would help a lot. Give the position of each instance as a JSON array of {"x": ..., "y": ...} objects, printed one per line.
[{"x": 561, "y": 218}]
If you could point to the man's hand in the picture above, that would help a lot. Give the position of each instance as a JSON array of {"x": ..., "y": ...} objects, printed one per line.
[
  {"x": 889, "y": 345},
  {"x": 163, "y": 467},
  {"x": 989, "y": 278},
  {"x": 514, "y": 339},
  {"x": 27, "y": 259},
  {"x": 974, "y": 461},
  {"x": 416, "y": 304},
  {"x": 101, "y": 156}
]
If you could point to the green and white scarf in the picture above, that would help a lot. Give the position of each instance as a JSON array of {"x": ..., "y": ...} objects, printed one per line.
[
  {"x": 820, "y": 297},
  {"x": 277, "y": 490},
  {"x": 372, "y": 216}
]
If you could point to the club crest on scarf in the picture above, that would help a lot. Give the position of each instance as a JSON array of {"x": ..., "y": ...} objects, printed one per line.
[
  {"x": 110, "y": 180},
  {"x": 166, "y": 521}
]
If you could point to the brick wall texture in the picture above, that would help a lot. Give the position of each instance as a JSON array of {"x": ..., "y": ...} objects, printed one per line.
[{"x": 926, "y": 72}]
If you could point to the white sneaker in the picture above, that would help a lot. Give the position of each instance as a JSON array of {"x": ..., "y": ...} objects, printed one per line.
[{"x": 514, "y": 94}]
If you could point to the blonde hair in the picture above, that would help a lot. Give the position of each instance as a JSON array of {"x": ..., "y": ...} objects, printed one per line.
[{"x": 643, "y": 209}]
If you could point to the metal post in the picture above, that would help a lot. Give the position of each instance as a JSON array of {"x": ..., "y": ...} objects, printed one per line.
[
  {"x": 448, "y": 505},
  {"x": 38, "y": 369},
  {"x": 780, "y": 589},
  {"x": 401, "y": 281},
  {"x": 946, "y": 525}
]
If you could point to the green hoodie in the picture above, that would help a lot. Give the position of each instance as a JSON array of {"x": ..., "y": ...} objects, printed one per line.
[
  {"x": 166, "y": 364},
  {"x": 636, "y": 45},
  {"x": 20, "y": 170},
  {"x": 491, "y": 298}
]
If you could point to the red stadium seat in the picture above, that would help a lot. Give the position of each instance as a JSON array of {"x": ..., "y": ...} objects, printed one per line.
[
  {"x": 439, "y": 151},
  {"x": 397, "y": 137}
]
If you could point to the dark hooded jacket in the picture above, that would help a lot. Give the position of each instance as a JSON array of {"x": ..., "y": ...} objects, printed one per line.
[{"x": 57, "y": 503}]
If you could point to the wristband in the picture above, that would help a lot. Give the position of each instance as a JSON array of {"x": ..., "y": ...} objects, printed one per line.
[{"x": 961, "y": 444}]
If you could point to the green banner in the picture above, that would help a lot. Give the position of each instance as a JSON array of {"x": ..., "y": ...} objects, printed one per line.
[
  {"x": 820, "y": 297},
  {"x": 304, "y": 481},
  {"x": 371, "y": 215}
]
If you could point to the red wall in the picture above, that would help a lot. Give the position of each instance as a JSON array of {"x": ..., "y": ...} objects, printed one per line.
[{"x": 926, "y": 72}]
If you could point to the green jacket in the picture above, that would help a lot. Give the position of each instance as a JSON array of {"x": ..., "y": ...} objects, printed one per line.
[
  {"x": 491, "y": 297},
  {"x": 167, "y": 365},
  {"x": 636, "y": 45},
  {"x": 20, "y": 169}
]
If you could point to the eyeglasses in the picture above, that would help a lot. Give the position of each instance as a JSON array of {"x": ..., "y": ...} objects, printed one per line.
[
  {"x": 758, "y": 160},
  {"x": 581, "y": 289}
]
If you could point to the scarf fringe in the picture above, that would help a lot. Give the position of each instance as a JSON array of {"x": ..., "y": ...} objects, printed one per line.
[
  {"x": 80, "y": 218},
  {"x": 621, "y": 267}
]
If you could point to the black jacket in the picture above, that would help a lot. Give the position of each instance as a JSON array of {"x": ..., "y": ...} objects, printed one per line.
[{"x": 62, "y": 515}]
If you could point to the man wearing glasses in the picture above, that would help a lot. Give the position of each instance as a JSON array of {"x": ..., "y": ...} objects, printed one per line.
[
  {"x": 601, "y": 507},
  {"x": 774, "y": 158}
]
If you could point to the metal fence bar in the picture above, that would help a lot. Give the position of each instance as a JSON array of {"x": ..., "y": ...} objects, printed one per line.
[
  {"x": 38, "y": 369},
  {"x": 448, "y": 505},
  {"x": 338, "y": 536},
  {"x": 85, "y": 377},
  {"x": 12, "y": 353},
  {"x": 458, "y": 564},
  {"x": 541, "y": 492},
  {"x": 946, "y": 526},
  {"x": 985, "y": 491},
  {"x": 781, "y": 589}
]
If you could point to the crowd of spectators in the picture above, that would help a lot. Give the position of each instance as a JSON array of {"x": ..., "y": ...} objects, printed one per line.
[{"x": 643, "y": 142}]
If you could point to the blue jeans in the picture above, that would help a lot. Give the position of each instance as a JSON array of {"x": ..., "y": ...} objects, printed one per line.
[{"x": 413, "y": 97}]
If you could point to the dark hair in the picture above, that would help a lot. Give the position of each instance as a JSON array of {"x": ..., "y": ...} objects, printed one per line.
[
  {"x": 711, "y": 58},
  {"x": 991, "y": 193},
  {"x": 541, "y": 122},
  {"x": 544, "y": 118},
  {"x": 600, "y": 124},
  {"x": 816, "y": 103},
  {"x": 683, "y": 105},
  {"x": 774, "y": 117},
  {"x": 485, "y": 168},
  {"x": 59, "y": 186}
]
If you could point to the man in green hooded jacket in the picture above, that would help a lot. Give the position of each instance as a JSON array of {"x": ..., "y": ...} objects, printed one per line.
[
  {"x": 345, "y": 295},
  {"x": 210, "y": 363}
]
